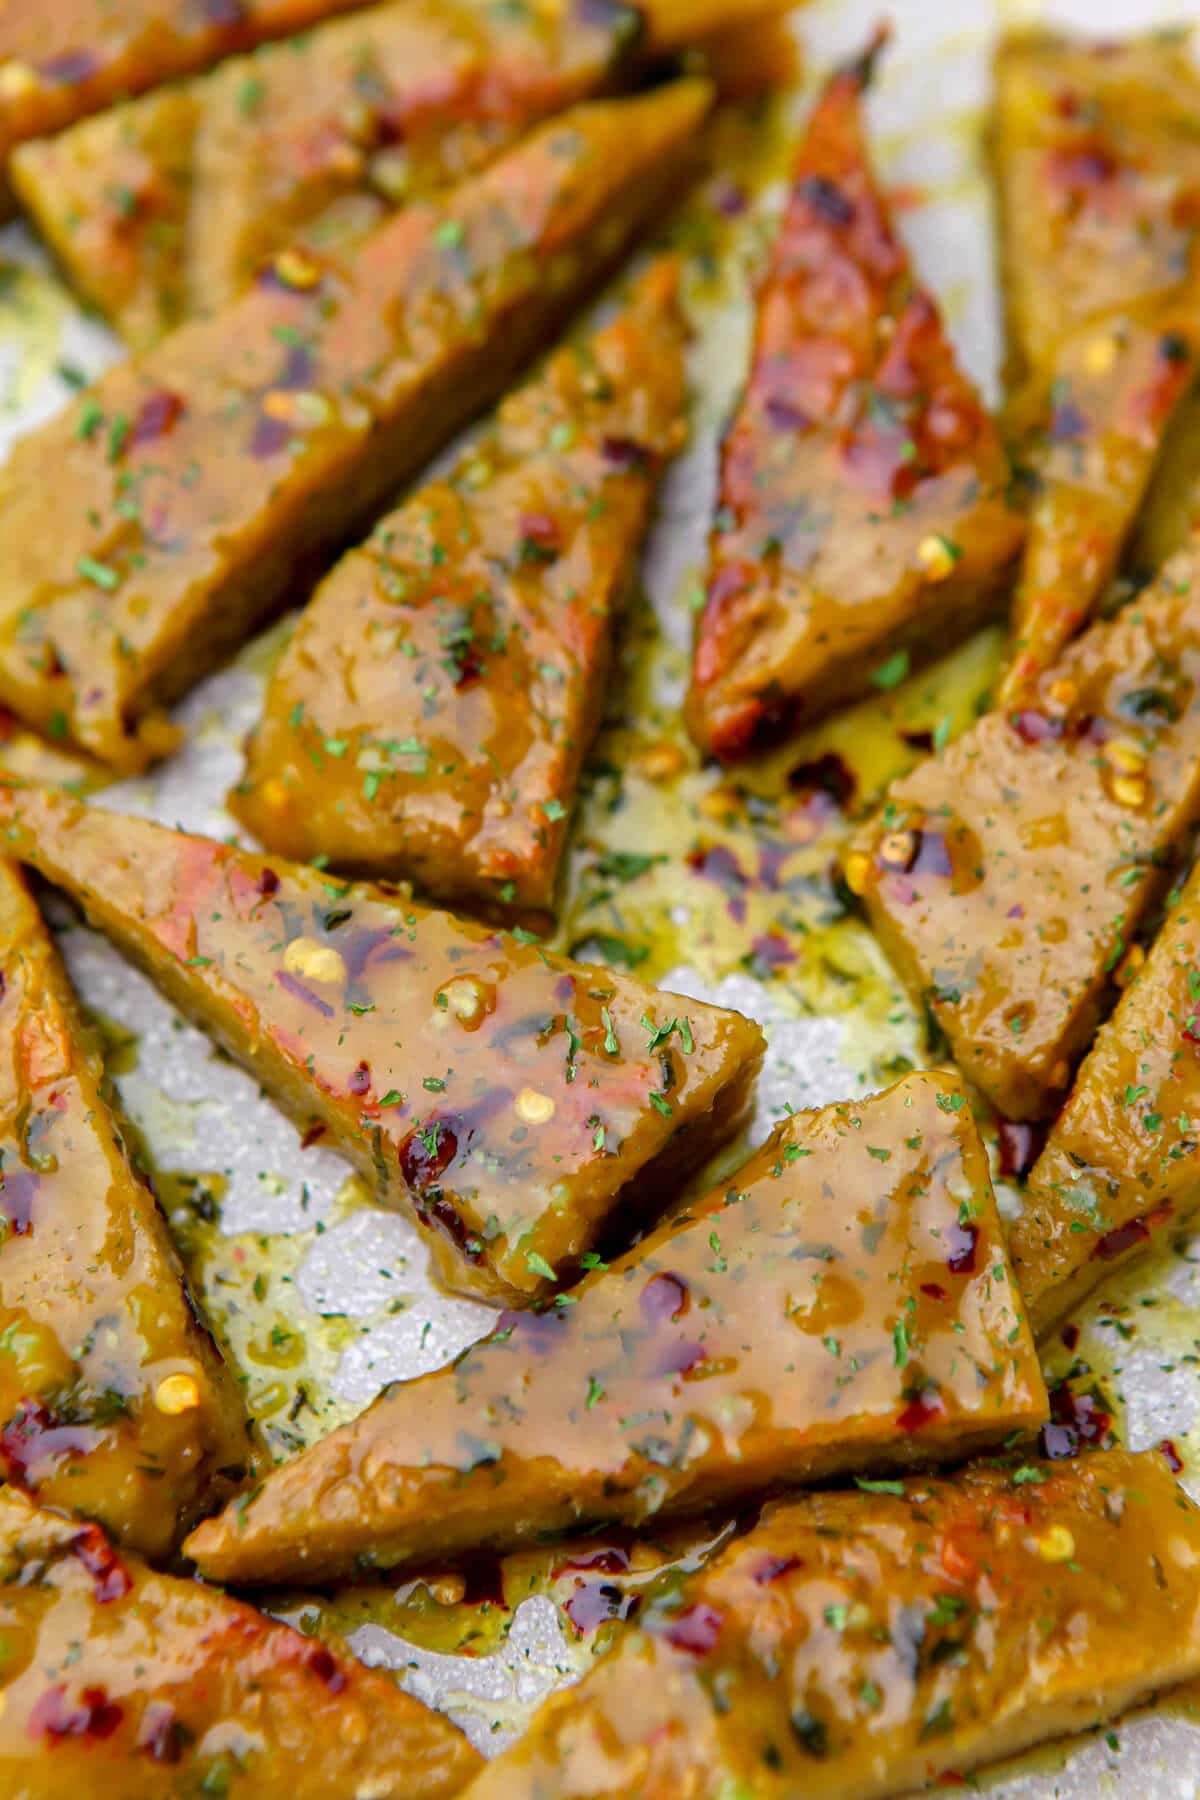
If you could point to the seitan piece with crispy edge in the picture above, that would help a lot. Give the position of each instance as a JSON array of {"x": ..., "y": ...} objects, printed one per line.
[
  {"x": 508, "y": 1097},
  {"x": 149, "y": 528},
  {"x": 431, "y": 713},
  {"x": 1007, "y": 877},
  {"x": 1098, "y": 173},
  {"x": 122, "y": 1684},
  {"x": 856, "y": 1645},
  {"x": 165, "y": 208},
  {"x": 863, "y": 514},
  {"x": 842, "y": 1301},
  {"x": 1122, "y": 1162},
  {"x": 114, "y": 1400}
]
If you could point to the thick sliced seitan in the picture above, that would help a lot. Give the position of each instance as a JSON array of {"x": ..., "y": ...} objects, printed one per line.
[
  {"x": 114, "y": 1401},
  {"x": 176, "y": 502},
  {"x": 1122, "y": 1162},
  {"x": 63, "y": 60},
  {"x": 510, "y": 1098},
  {"x": 863, "y": 515},
  {"x": 122, "y": 1684},
  {"x": 856, "y": 1645},
  {"x": 841, "y": 1302},
  {"x": 431, "y": 713},
  {"x": 1098, "y": 170},
  {"x": 1007, "y": 877}
]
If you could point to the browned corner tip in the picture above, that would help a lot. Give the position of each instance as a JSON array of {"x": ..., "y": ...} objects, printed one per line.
[{"x": 859, "y": 71}]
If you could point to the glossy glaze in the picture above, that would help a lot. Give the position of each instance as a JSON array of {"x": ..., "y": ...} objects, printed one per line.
[
  {"x": 431, "y": 713},
  {"x": 860, "y": 1644},
  {"x": 1007, "y": 877},
  {"x": 1121, "y": 1165},
  {"x": 842, "y": 1301},
  {"x": 114, "y": 1401},
  {"x": 1098, "y": 174},
  {"x": 122, "y": 1684},
  {"x": 194, "y": 485},
  {"x": 508, "y": 1096},
  {"x": 863, "y": 520},
  {"x": 167, "y": 207}
]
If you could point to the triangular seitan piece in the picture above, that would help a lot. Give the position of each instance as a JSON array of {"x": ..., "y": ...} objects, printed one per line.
[
  {"x": 863, "y": 515},
  {"x": 114, "y": 1401},
  {"x": 433, "y": 708},
  {"x": 118, "y": 1681},
  {"x": 1121, "y": 1165},
  {"x": 841, "y": 1302},
  {"x": 509, "y": 1097},
  {"x": 164, "y": 209},
  {"x": 1008, "y": 876},
  {"x": 856, "y": 1645},
  {"x": 1098, "y": 171},
  {"x": 145, "y": 531}
]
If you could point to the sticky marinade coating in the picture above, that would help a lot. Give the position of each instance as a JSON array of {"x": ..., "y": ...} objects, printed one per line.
[
  {"x": 861, "y": 1644},
  {"x": 843, "y": 1301},
  {"x": 863, "y": 516},
  {"x": 510, "y": 1098},
  {"x": 146, "y": 531},
  {"x": 168, "y": 206},
  {"x": 114, "y": 1401},
  {"x": 1098, "y": 174},
  {"x": 122, "y": 1684},
  {"x": 431, "y": 713},
  {"x": 1121, "y": 1165},
  {"x": 1007, "y": 877},
  {"x": 60, "y": 62}
]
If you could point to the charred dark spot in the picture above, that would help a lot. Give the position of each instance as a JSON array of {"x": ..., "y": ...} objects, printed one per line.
[
  {"x": 810, "y": 1733},
  {"x": 664, "y": 1297},
  {"x": 292, "y": 985},
  {"x": 110, "y": 1578},
  {"x": 1069, "y": 1336},
  {"x": 696, "y": 1629},
  {"x": 268, "y": 883},
  {"x": 313, "y": 1135},
  {"x": 483, "y": 1579},
  {"x": 921, "y": 1410},
  {"x": 625, "y": 453},
  {"x": 826, "y": 199},
  {"x": 18, "y": 1190},
  {"x": 830, "y": 774},
  {"x": 1020, "y": 1147},
  {"x": 436, "y": 1209},
  {"x": 917, "y": 740},
  {"x": 162, "y": 1735},
  {"x": 359, "y": 1081},
  {"x": 69, "y": 68},
  {"x": 93, "y": 1715},
  {"x": 962, "y": 1243},
  {"x": 426, "y": 1153},
  {"x": 595, "y": 1603},
  {"x": 771, "y": 1568},
  {"x": 1121, "y": 1238},
  {"x": 934, "y": 1290},
  {"x": 1075, "y": 1419},
  {"x": 157, "y": 415},
  {"x": 1173, "y": 348},
  {"x": 326, "y": 1668}
]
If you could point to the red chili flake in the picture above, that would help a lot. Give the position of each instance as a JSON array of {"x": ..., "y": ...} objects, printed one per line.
[
  {"x": 1020, "y": 1147},
  {"x": 1174, "y": 1460},
  {"x": 664, "y": 1297},
  {"x": 111, "y": 1580},
  {"x": 540, "y": 537},
  {"x": 161, "y": 1735},
  {"x": 921, "y": 1409},
  {"x": 17, "y": 1191},
  {"x": 717, "y": 863},
  {"x": 962, "y": 1243},
  {"x": 696, "y": 1629},
  {"x": 829, "y": 773},
  {"x": 1075, "y": 1419},
  {"x": 157, "y": 415},
  {"x": 360, "y": 1079},
  {"x": 1114, "y": 1243},
  {"x": 93, "y": 1715},
  {"x": 33, "y": 1434},
  {"x": 594, "y": 1603},
  {"x": 313, "y": 1135},
  {"x": 1069, "y": 1336},
  {"x": 324, "y": 1666},
  {"x": 610, "y": 1560},
  {"x": 268, "y": 883},
  {"x": 427, "y": 1153},
  {"x": 771, "y": 1568},
  {"x": 625, "y": 453},
  {"x": 934, "y": 1290}
]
